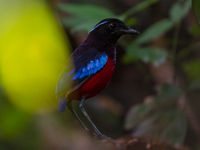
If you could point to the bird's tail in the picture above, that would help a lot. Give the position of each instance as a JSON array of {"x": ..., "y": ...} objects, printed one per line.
[{"x": 62, "y": 103}]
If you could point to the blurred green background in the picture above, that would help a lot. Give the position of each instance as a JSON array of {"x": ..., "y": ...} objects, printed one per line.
[{"x": 155, "y": 90}]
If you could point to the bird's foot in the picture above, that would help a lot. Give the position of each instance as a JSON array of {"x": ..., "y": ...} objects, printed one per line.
[{"x": 104, "y": 137}]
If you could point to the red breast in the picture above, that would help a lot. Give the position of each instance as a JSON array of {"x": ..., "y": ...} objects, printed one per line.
[{"x": 99, "y": 81}]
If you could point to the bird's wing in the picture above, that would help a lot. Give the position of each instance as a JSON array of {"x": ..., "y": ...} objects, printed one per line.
[{"x": 86, "y": 64}]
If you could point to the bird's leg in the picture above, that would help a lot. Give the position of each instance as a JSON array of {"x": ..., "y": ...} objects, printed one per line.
[
  {"x": 98, "y": 133},
  {"x": 69, "y": 104}
]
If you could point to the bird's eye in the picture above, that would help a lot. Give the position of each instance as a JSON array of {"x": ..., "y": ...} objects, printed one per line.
[{"x": 111, "y": 26}]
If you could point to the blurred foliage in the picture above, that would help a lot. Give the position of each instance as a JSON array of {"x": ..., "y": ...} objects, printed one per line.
[
  {"x": 11, "y": 118},
  {"x": 192, "y": 69},
  {"x": 157, "y": 56},
  {"x": 159, "y": 118},
  {"x": 84, "y": 17},
  {"x": 16, "y": 127},
  {"x": 196, "y": 6},
  {"x": 194, "y": 85},
  {"x": 148, "y": 54},
  {"x": 141, "y": 6},
  {"x": 33, "y": 52},
  {"x": 154, "y": 31},
  {"x": 13, "y": 121},
  {"x": 195, "y": 30},
  {"x": 179, "y": 10}
]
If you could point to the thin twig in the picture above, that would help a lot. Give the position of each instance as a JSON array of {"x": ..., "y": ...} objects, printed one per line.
[
  {"x": 138, "y": 8},
  {"x": 174, "y": 50}
]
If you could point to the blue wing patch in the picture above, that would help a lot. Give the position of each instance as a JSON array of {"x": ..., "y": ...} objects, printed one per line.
[{"x": 92, "y": 67}]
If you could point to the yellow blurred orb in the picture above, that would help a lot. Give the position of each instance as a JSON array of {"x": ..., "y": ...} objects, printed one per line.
[{"x": 33, "y": 51}]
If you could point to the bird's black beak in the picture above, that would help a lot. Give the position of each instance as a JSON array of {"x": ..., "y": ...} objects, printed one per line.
[{"x": 129, "y": 30}]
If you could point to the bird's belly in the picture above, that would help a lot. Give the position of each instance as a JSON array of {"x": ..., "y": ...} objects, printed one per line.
[{"x": 99, "y": 81}]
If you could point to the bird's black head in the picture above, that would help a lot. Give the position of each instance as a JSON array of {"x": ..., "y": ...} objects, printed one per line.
[{"x": 109, "y": 30}]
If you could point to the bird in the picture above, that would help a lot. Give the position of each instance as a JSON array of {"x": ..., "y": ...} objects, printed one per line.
[{"x": 93, "y": 67}]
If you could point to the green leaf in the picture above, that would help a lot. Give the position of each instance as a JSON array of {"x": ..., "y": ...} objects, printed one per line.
[
  {"x": 168, "y": 93},
  {"x": 146, "y": 127},
  {"x": 155, "y": 31},
  {"x": 194, "y": 85},
  {"x": 148, "y": 54},
  {"x": 196, "y": 9},
  {"x": 179, "y": 10},
  {"x": 192, "y": 69},
  {"x": 84, "y": 16},
  {"x": 131, "y": 21},
  {"x": 195, "y": 30},
  {"x": 79, "y": 24},
  {"x": 86, "y": 10},
  {"x": 175, "y": 132},
  {"x": 136, "y": 115}
]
